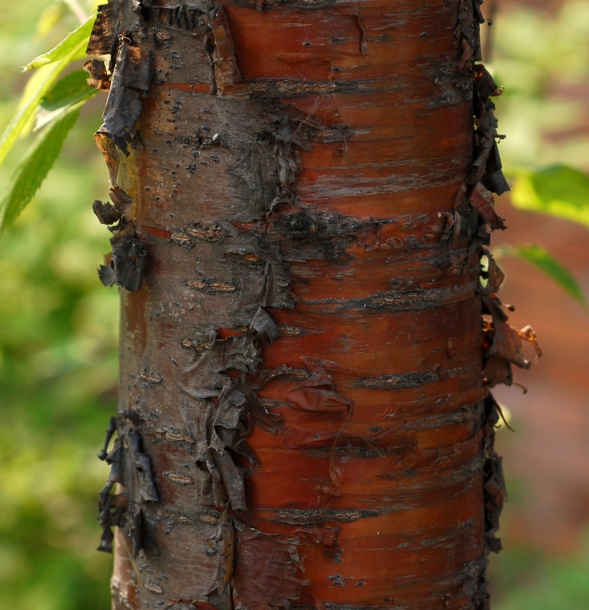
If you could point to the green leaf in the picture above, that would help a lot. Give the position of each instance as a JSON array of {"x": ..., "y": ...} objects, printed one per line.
[
  {"x": 543, "y": 260},
  {"x": 68, "y": 90},
  {"x": 33, "y": 169},
  {"x": 558, "y": 190},
  {"x": 68, "y": 47},
  {"x": 41, "y": 85},
  {"x": 71, "y": 89},
  {"x": 36, "y": 81}
]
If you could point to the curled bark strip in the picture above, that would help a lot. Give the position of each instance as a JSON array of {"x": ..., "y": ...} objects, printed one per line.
[
  {"x": 232, "y": 410},
  {"x": 502, "y": 343},
  {"x": 106, "y": 213},
  {"x": 263, "y": 324},
  {"x": 487, "y": 166},
  {"x": 130, "y": 81},
  {"x": 227, "y": 75},
  {"x": 507, "y": 344},
  {"x": 467, "y": 32},
  {"x": 104, "y": 35},
  {"x": 483, "y": 83},
  {"x": 130, "y": 66},
  {"x": 482, "y": 200},
  {"x": 486, "y": 172},
  {"x": 131, "y": 469},
  {"x": 264, "y": 5},
  {"x": 126, "y": 264},
  {"x": 494, "y": 486},
  {"x": 318, "y": 393},
  {"x": 98, "y": 77}
]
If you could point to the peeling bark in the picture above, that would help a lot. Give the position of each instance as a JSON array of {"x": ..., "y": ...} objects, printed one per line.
[{"x": 300, "y": 205}]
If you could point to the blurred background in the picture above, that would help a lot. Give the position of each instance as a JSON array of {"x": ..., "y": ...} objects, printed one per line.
[{"x": 58, "y": 355}]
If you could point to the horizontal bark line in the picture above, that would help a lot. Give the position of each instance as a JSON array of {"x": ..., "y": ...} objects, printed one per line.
[
  {"x": 330, "y": 187},
  {"x": 406, "y": 491},
  {"x": 404, "y": 6},
  {"x": 303, "y": 228},
  {"x": 404, "y": 412},
  {"x": 461, "y": 580},
  {"x": 410, "y": 380},
  {"x": 394, "y": 301},
  {"x": 295, "y": 88},
  {"x": 355, "y": 379},
  {"x": 355, "y": 440}
]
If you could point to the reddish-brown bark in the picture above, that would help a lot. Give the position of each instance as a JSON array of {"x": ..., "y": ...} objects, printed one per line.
[{"x": 302, "y": 419}]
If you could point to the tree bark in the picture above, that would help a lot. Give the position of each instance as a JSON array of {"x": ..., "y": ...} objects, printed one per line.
[{"x": 298, "y": 216}]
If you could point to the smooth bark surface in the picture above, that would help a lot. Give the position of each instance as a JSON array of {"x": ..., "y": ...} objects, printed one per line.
[{"x": 303, "y": 417}]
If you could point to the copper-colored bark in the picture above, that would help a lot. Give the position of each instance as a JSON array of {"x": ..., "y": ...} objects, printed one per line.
[{"x": 303, "y": 419}]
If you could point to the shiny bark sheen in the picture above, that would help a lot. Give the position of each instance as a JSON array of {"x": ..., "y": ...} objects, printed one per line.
[{"x": 302, "y": 416}]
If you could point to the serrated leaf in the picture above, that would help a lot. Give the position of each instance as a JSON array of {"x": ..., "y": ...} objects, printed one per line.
[
  {"x": 71, "y": 89},
  {"x": 559, "y": 190},
  {"x": 66, "y": 48},
  {"x": 33, "y": 169},
  {"x": 543, "y": 260}
]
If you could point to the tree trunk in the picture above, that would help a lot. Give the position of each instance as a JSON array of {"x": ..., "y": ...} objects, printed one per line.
[{"x": 303, "y": 419}]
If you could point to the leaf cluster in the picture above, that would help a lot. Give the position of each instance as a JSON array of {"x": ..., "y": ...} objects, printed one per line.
[{"x": 50, "y": 104}]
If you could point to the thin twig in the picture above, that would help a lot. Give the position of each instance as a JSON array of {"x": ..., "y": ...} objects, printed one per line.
[{"x": 77, "y": 10}]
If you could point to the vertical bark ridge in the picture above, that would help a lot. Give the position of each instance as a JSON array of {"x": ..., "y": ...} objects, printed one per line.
[{"x": 299, "y": 214}]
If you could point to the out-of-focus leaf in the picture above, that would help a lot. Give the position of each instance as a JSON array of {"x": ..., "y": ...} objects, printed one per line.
[
  {"x": 36, "y": 80},
  {"x": 33, "y": 169},
  {"x": 23, "y": 119},
  {"x": 543, "y": 260},
  {"x": 71, "y": 89},
  {"x": 69, "y": 47},
  {"x": 50, "y": 17},
  {"x": 558, "y": 190}
]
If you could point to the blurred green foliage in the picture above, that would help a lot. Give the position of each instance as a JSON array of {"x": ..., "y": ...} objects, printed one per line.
[
  {"x": 542, "y": 59},
  {"x": 559, "y": 190},
  {"x": 58, "y": 362},
  {"x": 543, "y": 260},
  {"x": 528, "y": 580},
  {"x": 58, "y": 358}
]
